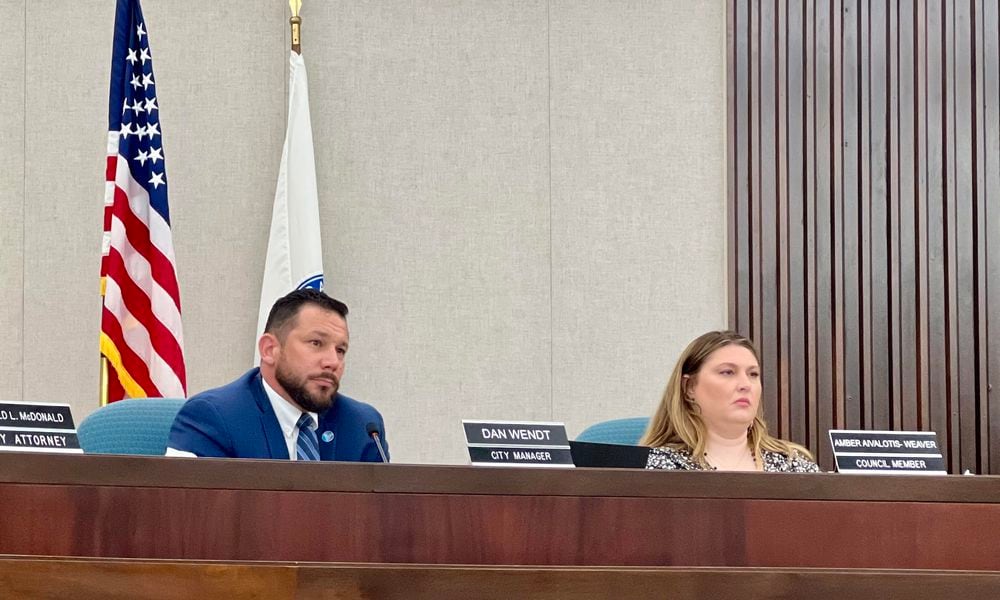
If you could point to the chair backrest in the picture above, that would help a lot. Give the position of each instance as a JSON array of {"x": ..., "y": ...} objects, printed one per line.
[
  {"x": 136, "y": 426},
  {"x": 616, "y": 431}
]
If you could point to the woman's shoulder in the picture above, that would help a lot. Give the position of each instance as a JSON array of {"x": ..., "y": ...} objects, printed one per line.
[
  {"x": 676, "y": 459},
  {"x": 792, "y": 462}
]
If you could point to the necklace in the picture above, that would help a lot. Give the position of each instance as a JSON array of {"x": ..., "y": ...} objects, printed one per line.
[{"x": 747, "y": 460}]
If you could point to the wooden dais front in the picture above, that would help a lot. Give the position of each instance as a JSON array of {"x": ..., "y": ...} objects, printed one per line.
[{"x": 200, "y": 509}]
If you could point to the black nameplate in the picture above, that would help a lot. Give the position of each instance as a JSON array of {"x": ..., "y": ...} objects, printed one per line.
[
  {"x": 888, "y": 452},
  {"x": 517, "y": 444},
  {"x": 31, "y": 427},
  {"x": 500, "y": 433},
  {"x": 885, "y": 442},
  {"x": 928, "y": 465},
  {"x": 25, "y": 440},
  {"x": 36, "y": 416},
  {"x": 484, "y": 455}
]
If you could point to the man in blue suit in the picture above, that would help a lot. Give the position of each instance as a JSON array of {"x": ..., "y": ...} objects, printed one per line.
[{"x": 288, "y": 408}]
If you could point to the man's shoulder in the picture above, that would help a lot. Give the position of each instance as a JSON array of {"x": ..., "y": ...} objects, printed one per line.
[{"x": 215, "y": 422}]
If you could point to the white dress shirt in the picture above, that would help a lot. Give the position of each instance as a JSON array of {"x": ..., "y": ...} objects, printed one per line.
[{"x": 288, "y": 417}]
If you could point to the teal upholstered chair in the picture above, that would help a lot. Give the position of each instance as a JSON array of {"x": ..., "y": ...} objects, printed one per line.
[
  {"x": 137, "y": 426},
  {"x": 617, "y": 431}
]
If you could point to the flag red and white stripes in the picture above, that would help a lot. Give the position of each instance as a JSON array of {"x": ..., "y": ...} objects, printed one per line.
[{"x": 141, "y": 334}]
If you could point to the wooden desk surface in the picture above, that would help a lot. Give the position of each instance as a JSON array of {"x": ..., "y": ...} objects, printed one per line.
[{"x": 200, "y": 509}]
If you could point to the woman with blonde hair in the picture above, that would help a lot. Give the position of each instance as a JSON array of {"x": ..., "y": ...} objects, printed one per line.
[{"x": 710, "y": 415}]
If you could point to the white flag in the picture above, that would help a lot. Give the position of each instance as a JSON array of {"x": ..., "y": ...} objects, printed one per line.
[{"x": 294, "y": 251}]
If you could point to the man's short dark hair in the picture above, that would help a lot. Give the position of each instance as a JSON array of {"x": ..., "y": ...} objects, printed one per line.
[{"x": 286, "y": 309}]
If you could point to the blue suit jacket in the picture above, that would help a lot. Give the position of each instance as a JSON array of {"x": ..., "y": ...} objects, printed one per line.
[{"x": 237, "y": 421}]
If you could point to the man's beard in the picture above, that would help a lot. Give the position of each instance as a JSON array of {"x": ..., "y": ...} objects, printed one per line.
[{"x": 296, "y": 389}]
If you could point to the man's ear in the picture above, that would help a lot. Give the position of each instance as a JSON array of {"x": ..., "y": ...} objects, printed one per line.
[{"x": 268, "y": 347}]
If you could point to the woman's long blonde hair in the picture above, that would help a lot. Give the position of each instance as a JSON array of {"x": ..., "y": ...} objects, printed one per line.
[{"x": 678, "y": 424}]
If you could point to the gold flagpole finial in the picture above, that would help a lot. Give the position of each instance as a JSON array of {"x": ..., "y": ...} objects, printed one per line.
[{"x": 296, "y": 21}]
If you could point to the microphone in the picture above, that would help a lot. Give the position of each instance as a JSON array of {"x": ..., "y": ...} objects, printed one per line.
[{"x": 372, "y": 430}]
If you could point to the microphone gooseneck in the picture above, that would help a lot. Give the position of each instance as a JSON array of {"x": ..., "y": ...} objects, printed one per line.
[{"x": 372, "y": 430}]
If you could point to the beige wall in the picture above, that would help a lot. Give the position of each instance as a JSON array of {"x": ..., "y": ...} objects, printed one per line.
[
  {"x": 522, "y": 201},
  {"x": 12, "y": 126}
]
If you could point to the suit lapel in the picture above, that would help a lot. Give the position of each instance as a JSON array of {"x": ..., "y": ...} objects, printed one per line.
[{"x": 269, "y": 421}]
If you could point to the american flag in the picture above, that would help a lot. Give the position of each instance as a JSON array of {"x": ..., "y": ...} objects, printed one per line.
[{"x": 141, "y": 318}]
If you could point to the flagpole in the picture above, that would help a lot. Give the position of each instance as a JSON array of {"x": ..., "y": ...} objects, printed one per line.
[
  {"x": 296, "y": 23},
  {"x": 104, "y": 381}
]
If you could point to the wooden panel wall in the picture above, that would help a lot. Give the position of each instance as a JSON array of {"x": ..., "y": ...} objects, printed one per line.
[{"x": 864, "y": 216}]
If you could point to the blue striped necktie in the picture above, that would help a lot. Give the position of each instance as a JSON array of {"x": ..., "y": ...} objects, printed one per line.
[{"x": 306, "y": 448}]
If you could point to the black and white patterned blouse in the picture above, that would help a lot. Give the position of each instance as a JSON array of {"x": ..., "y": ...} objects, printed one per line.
[{"x": 774, "y": 462}]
